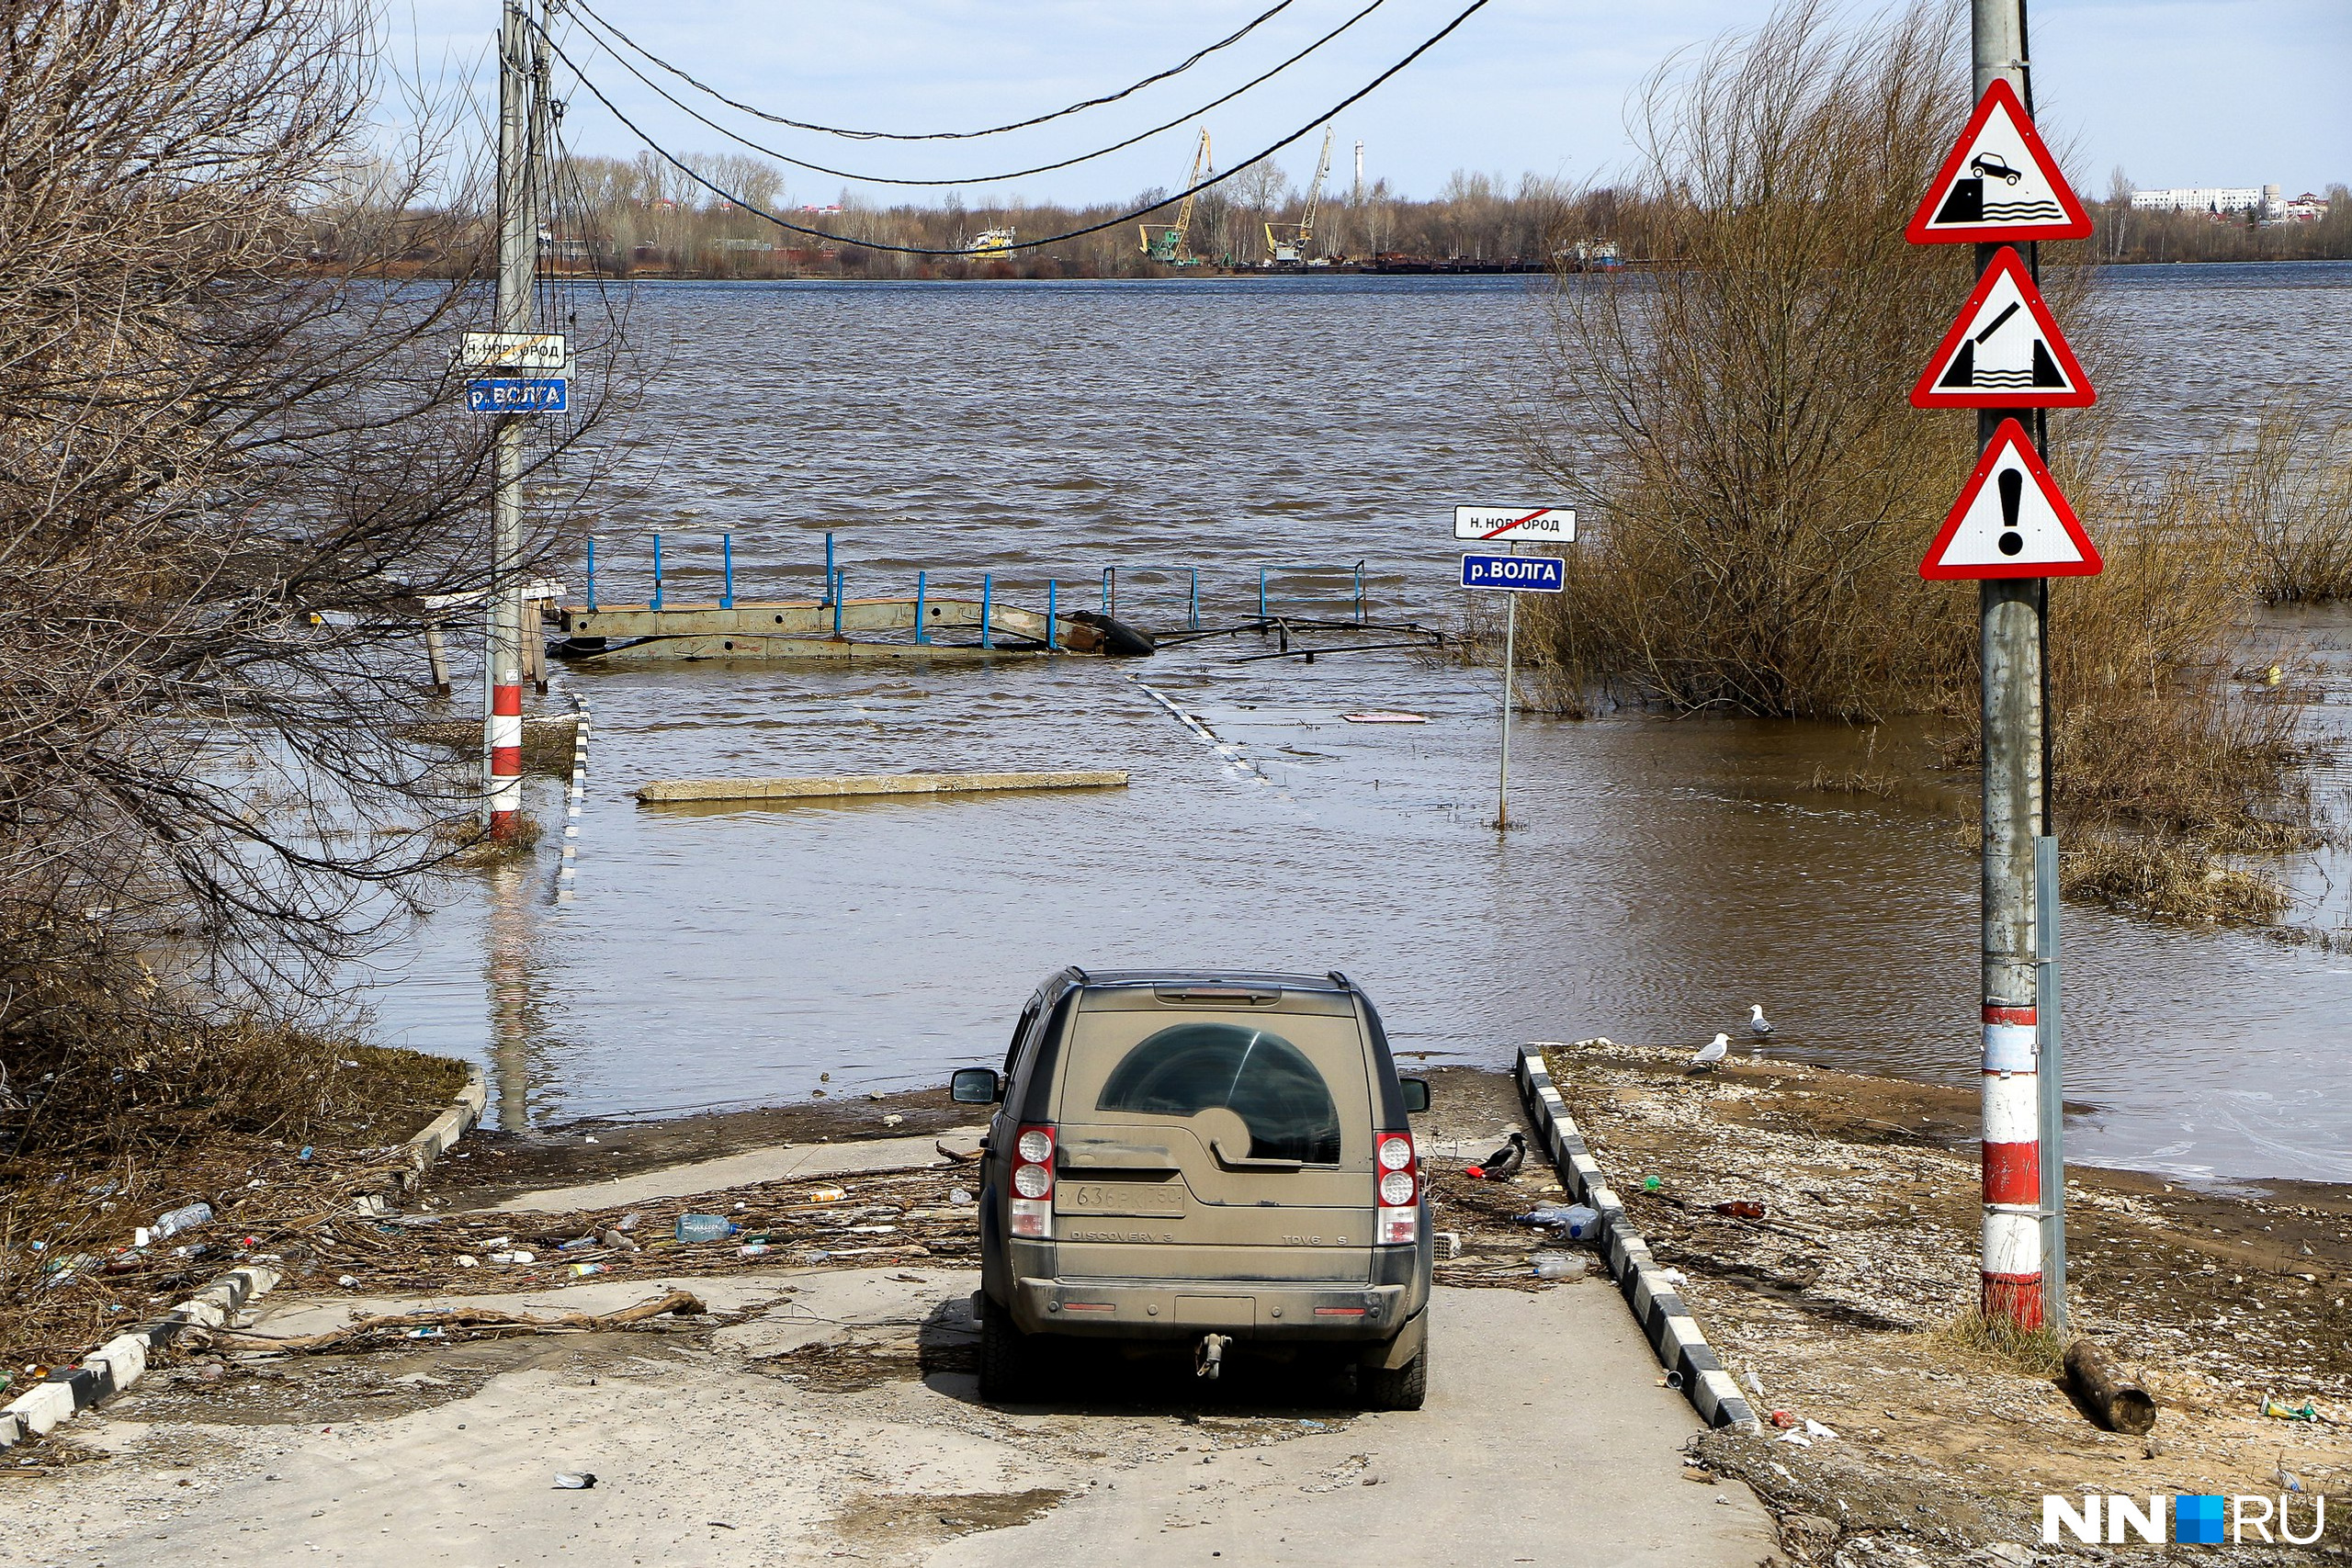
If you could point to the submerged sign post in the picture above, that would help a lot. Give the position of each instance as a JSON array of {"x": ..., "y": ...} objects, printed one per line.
[{"x": 1514, "y": 575}]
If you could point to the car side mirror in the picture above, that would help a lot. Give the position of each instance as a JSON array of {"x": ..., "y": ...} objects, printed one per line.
[
  {"x": 1417, "y": 1094},
  {"x": 980, "y": 1086}
]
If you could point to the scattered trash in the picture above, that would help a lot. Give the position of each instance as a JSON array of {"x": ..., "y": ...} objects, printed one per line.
[
  {"x": 1814, "y": 1428},
  {"x": 958, "y": 1196},
  {"x": 424, "y": 1334},
  {"x": 1755, "y": 1385},
  {"x": 576, "y": 1243},
  {"x": 628, "y": 1221},
  {"x": 1560, "y": 1266},
  {"x": 588, "y": 1137},
  {"x": 1448, "y": 1246},
  {"x": 519, "y": 1255},
  {"x": 1798, "y": 1439},
  {"x": 753, "y": 1249},
  {"x": 1652, "y": 1184},
  {"x": 1575, "y": 1222},
  {"x": 468, "y": 1260},
  {"x": 704, "y": 1227},
  {"x": 1670, "y": 1378},
  {"x": 181, "y": 1219},
  {"x": 307, "y": 1152},
  {"x": 573, "y": 1480},
  {"x": 892, "y": 1119},
  {"x": 2309, "y": 1412},
  {"x": 1383, "y": 717},
  {"x": 1674, "y": 1276},
  {"x": 347, "y": 1282},
  {"x": 1742, "y": 1209},
  {"x": 581, "y": 1270},
  {"x": 615, "y": 1240},
  {"x": 824, "y": 1195},
  {"x": 1783, "y": 1418}
]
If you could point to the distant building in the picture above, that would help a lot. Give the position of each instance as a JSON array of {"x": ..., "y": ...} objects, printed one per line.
[
  {"x": 2230, "y": 200},
  {"x": 2305, "y": 208}
]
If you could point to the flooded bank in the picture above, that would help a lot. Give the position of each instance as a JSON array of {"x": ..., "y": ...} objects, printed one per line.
[{"x": 1666, "y": 874}]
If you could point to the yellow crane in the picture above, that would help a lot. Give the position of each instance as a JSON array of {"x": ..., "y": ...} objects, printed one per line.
[
  {"x": 1287, "y": 243},
  {"x": 1173, "y": 242}
]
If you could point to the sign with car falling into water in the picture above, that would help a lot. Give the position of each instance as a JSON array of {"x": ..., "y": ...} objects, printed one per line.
[{"x": 2000, "y": 183}]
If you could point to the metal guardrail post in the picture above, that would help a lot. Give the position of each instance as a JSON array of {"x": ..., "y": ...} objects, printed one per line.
[
  {"x": 829, "y": 567},
  {"x": 1193, "y": 615},
  {"x": 592, "y": 571},
  {"x": 2050, "y": 1083},
  {"x": 1110, "y": 590},
  {"x": 988, "y": 610},
  {"x": 1050, "y": 643},
  {"x": 841, "y": 580},
  {"x": 1261, "y": 597},
  {"x": 1359, "y": 592},
  {"x": 656, "y": 603},
  {"x": 922, "y": 582},
  {"x": 727, "y": 559}
]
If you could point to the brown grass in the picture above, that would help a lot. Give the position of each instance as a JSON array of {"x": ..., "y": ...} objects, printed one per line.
[
  {"x": 2285, "y": 498},
  {"x": 1975, "y": 1340},
  {"x": 2169, "y": 879},
  {"x": 1853, "y": 780}
]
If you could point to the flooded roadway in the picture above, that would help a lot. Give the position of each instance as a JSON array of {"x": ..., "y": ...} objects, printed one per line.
[{"x": 1664, "y": 876}]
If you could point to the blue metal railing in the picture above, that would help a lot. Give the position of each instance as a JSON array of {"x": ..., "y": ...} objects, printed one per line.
[{"x": 1355, "y": 598}]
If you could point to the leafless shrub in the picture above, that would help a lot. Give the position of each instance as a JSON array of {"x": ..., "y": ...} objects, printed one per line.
[{"x": 2286, "y": 497}]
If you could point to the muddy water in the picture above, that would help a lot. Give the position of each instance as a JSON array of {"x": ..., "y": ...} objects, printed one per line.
[{"x": 1664, "y": 876}]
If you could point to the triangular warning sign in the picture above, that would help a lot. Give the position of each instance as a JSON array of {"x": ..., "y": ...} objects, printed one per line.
[
  {"x": 2004, "y": 351},
  {"x": 2011, "y": 520},
  {"x": 2000, "y": 183}
]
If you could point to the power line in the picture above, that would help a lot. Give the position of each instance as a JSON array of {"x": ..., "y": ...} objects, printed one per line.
[
  {"x": 668, "y": 157},
  {"x": 980, "y": 179},
  {"x": 1194, "y": 59}
]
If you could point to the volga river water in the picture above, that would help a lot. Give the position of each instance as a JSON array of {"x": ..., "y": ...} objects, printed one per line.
[{"x": 1664, "y": 874}]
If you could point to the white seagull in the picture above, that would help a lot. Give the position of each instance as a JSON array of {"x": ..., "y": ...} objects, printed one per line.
[
  {"x": 1710, "y": 1053},
  {"x": 1758, "y": 1024}
]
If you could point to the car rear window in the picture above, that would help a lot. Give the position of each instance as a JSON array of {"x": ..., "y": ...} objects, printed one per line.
[{"x": 1270, "y": 1083}]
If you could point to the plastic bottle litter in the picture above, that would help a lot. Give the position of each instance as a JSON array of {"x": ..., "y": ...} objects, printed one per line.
[
  {"x": 1560, "y": 1266},
  {"x": 615, "y": 1240},
  {"x": 1742, "y": 1209},
  {"x": 704, "y": 1227},
  {"x": 573, "y": 1480},
  {"x": 1652, "y": 1184},
  {"x": 2272, "y": 1407},
  {"x": 581, "y": 1270},
  {"x": 576, "y": 1243},
  {"x": 1576, "y": 1221},
  {"x": 824, "y": 1195},
  {"x": 958, "y": 1196},
  {"x": 753, "y": 1249},
  {"x": 629, "y": 1221},
  {"x": 182, "y": 1219}
]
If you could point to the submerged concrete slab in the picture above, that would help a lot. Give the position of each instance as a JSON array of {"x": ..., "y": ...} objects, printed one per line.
[
  {"x": 662, "y": 790},
  {"x": 744, "y": 1171}
]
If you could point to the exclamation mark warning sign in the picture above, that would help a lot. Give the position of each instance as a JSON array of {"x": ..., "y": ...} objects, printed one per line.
[{"x": 2011, "y": 520}]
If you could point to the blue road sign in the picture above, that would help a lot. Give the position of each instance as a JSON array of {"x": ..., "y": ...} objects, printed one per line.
[
  {"x": 1519, "y": 574},
  {"x": 518, "y": 394}
]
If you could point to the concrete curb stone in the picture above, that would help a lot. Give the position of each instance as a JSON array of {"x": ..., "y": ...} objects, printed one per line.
[
  {"x": 122, "y": 1361},
  {"x": 1672, "y": 1332}
]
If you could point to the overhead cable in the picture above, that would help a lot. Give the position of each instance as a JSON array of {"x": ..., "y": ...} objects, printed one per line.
[
  {"x": 723, "y": 194},
  {"x": 582, "y": 8},
  {"x": 987, "y": 179}
]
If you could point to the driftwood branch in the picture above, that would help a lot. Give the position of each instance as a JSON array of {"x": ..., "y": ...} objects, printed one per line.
[
  {"x": 2114, "y": 1401},
  {"x": 679, "y": 1302}
]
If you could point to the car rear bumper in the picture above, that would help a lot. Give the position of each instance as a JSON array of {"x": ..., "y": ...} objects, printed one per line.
[{"x": 1184, "y": 1309}]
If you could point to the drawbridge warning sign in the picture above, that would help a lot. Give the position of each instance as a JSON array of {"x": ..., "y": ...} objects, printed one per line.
[
  {"x": 2011, "y": 520},
  {"x": 2000, "y": 183},
  {"x": 2004, "y": 351}
]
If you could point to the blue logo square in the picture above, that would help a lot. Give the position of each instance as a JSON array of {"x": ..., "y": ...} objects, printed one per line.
[{"x": 2197, "y": 1522}]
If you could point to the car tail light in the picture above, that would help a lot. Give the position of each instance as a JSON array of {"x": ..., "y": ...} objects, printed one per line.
[
  {"x": 1399, "y": 1192},
  {"x": 1032, "y": 1183}
]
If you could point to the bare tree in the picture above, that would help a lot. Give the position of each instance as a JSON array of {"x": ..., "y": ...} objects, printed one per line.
[{"x": 233, "y": 456}]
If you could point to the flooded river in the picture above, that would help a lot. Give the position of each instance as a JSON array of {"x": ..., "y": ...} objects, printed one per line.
[{"x": 1665, "y": 876}]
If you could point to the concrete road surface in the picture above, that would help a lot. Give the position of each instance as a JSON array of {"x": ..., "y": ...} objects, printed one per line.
[{"x": 837, "y": 1421}]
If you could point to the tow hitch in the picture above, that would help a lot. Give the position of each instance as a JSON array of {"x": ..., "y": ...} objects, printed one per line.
[{"x": 1208, "y": 1355}]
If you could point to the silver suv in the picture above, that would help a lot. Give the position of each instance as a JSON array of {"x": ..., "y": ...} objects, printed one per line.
[{"x": 1204, "y": 1158}]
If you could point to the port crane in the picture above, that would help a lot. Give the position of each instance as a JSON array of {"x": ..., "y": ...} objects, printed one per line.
[
  {"x": 1173, "y": 242},
  {"x": 1287, "y": 243}
]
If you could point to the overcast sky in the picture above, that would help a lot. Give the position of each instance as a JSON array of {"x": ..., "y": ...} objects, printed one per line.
[{"x": 2177, "y": 92}]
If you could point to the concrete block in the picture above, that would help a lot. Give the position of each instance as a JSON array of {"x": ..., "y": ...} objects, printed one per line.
[
  {"x": 125, "y": 1357},
  {"x": 672, "y": 790},
  {"x": 43, "y": 1407}
]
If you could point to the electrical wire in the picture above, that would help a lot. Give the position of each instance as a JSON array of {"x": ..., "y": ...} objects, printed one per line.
[
  {"x": 1194, "y": 59},
  {"x": 980, "y": 179},
  {"x": 723, "y": 194}
]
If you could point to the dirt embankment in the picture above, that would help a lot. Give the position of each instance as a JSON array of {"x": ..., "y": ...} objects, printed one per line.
[{"x": 1837, "y": 1305}]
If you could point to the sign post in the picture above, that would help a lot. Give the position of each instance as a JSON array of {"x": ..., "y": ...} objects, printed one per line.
[
  {"x": 1514, "y": 575},
  {"x": 2012, "y": 530}
]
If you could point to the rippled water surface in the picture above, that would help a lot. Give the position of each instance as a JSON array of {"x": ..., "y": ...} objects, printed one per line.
[{"x": 1665, "y": 874}]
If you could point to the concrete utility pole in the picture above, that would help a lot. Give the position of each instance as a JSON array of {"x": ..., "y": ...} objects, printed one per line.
[
  {"x": 518, "y": 243},
  {"x": 2010, "y": 610}
]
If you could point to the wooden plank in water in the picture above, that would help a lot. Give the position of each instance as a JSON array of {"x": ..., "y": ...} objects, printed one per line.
[{"x": 660, "y": 791}]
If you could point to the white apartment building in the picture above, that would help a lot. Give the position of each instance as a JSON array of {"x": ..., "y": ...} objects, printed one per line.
[{"x": 2209, "y": 199}]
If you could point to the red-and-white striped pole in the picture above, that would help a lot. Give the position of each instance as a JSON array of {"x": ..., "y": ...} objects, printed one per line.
[
  {"x": 2012, "y": 1258},
  {"x": 517, "y": 268}
]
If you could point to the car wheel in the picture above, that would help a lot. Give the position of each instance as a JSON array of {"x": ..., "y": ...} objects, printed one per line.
[
  {"x": 1006, "y": 1365},
  {"x": 1395, "y": 1388}
]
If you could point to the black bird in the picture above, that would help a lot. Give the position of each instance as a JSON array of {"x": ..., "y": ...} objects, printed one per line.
[{"x": 1503, "y": 1163}]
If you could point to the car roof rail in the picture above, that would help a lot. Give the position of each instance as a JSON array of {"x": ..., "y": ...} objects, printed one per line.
[{"x": 1341, "y": 981}]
